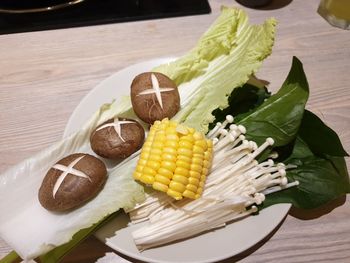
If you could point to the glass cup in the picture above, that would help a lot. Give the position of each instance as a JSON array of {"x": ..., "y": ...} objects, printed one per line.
[{"x": 336, "y": 12}]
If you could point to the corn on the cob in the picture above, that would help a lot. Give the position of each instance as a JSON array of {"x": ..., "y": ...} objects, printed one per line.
[{"x": 175, "y": 159}]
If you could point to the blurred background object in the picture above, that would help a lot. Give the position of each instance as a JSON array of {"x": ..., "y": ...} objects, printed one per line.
[
  {"x": 33, "y": 15},
  {"x": 336, "y": 12},
  {"x": 254, "y": 3}
]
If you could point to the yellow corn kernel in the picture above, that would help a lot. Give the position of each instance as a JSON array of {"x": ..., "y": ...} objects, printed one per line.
[
  {"x": 195, "y": 174},
  {"x": 178, "y": 187},
  {"x": 173, "y": 124},
  {"x": 191, "y": 187},
  {"x": 142, "y": 162},
  {"x": 202, "y": 143},
  {"x": 210, "y": 143},
  {"x": 180, "y": 179},
  {"x": 184, "y": 158},
  {"x": 182, "y": 129},
  {"x": 189, "y": 194},
  {"x": 198, "y": 136},
  {"x": 188, "y": 137},
  {"x": 183, "y": 164},
  {"x": 170, "y": 130},
  {"x": 156, "y": 123},
  {"x": 165, "y": 172},
  {"x": 172, "y": 144},
  {"x": 197, "y": 149},
  {"x": 193, "y": 181},
  {"x": 147, "y": 144},
  {"x": 137, "y": 175},
  {"x": 198, "y": 161},
  {"x": 162, "y": 126},
  {"x": 171, "y": 166},
  {"x": 162, "y": 179},
  {"x": 150, "y": 136},
  {"x": 155, "y": 158},
  {"x": 160, "y": 187},
  {"x": 185, "y": 152},
  {"x": 154, "y": 165},
  {"x": 199, "y": 156},
  {"x": 159, "y": 137},
  {"x": 146, "y": 149},
  {"x": 170, "y": 150},
  {"x": 147, "y": 179},
  {"x": 175, "y": 159},
  {"x": 166, "y": 121},
  {"x": 169, "y": 157},
  {"x": 148, "y": 170},
  {"x": 156, "y": 151},
  {"x": 157, "y": 145},
  {"x": 191, "y": 130},
  {"x": 181, "y": 171},
  {"x": 196, "y": 168},
  {"x": 172, "y": 137},
  {"x": 185, "y": 144},
  {"x": 204, "y": 171},
  {"x": 139, "y": 168},
  {"x": 207, "y": 156},
  {"x": 144, "y": 155},
  {"x": 174, "y": 194}
]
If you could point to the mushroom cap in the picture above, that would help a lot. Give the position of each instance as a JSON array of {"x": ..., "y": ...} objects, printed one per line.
[
  {"x": 74, "y": 190},
  {"x": 151, "y": 104},
  {"x": 106, "y": 142}
]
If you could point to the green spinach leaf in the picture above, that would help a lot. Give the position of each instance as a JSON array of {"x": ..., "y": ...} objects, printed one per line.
[
  {"x": 279, "y": 116},
  {"x": 319, "y": 183},
  {"x": 321, "y": 170},
  {"x": 320, "y": 138},
  {"x": 241, "y": 100}
]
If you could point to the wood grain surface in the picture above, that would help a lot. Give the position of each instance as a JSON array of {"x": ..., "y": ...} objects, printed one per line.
[{"x": 44, "y": 75}]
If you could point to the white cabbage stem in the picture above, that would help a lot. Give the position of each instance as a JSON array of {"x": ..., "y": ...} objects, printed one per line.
[{"x": 236, "y": 183}]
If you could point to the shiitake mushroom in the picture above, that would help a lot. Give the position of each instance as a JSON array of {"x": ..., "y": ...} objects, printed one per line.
[
  {"x": 117, "y": 138},
  {"x": 72, "y": 182},
  {"x": 154, "y": 96}
]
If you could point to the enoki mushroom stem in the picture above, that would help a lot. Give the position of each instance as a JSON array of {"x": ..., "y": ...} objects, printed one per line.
[{"x": 235, "y": 185}]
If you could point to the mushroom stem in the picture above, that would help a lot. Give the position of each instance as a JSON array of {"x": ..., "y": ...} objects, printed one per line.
[{"x": 236, "y": 182}]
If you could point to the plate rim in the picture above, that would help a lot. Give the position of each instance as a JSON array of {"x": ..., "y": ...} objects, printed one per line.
[{"x": 69, "y": 130}]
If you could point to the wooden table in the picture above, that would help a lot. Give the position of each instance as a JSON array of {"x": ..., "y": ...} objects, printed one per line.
[{"x": 44, "y": 75}]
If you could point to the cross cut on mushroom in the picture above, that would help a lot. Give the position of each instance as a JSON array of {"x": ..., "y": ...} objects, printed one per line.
[
  {"x": 117, "y": 127},
  {"x": 67, "y": 170},
  {"x": 155, "y": 90}
]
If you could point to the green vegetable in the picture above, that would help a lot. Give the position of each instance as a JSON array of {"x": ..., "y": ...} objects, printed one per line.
[
  {"x": 11, "y": 257},
  {"x": 241, "y": 100},
  {"x": 319, "y": 183},
  {"x": 279, "y": 116},
  {"x": 56, "y": 254},
  {"x": 330, "y": 143},
  {"x": 33, "y": 231},
  {"x": 321, "y": 168},
  {"x": 224, "y": 58},
  {"x": 301, "y": 138}
]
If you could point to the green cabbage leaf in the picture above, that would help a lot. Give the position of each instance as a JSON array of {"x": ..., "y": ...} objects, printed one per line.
[
  {"x": 225, "y": 57},
  {"x": 30, "y": 229}
]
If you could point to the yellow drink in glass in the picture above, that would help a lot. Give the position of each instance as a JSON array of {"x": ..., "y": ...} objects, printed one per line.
[{"x": 336, "y": 12}]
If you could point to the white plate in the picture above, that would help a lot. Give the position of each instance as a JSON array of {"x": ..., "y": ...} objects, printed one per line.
[{"x": 209, "y": 247}]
